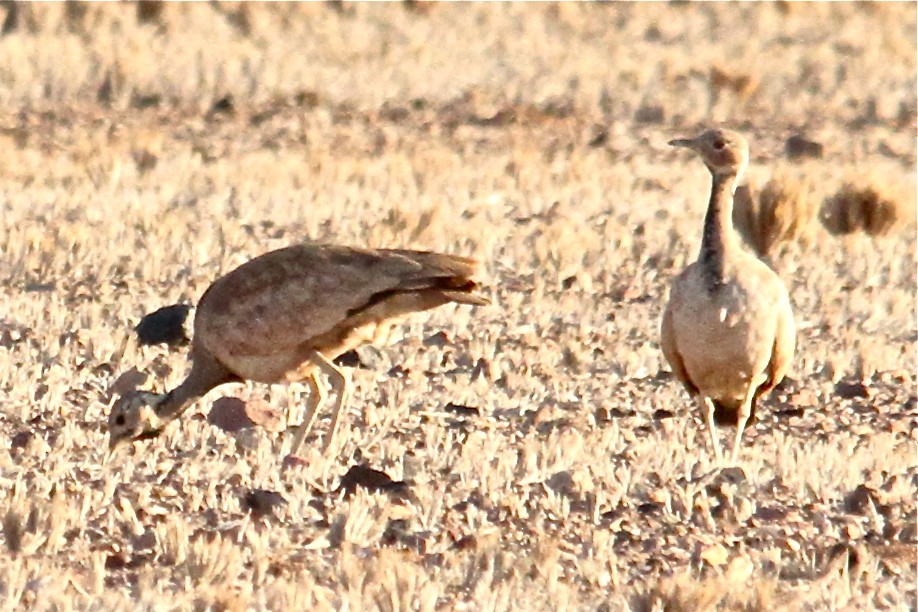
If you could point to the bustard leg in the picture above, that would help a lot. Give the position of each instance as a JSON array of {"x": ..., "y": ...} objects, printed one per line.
[
  {"x": 341, "y": 385},
  {"x": 707, "y": 408},
  {"x": 744, "y": 413},
  {"x": 317, "y": 397}
]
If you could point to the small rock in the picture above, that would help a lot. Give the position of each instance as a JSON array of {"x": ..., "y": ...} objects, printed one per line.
[
  {"x": 229, "y": 414},
  {"x": 438, "y": 339},
  {"x": 292, "y": 461},
  {"x": 901, "y": 426},
  {"x": 349, "y": 359},
  {"x": 597, "y": 136},
  {"x": 851, "y": 390},
  {"x": 13, "y": 531},
  {"x": 908, "y": 532},
  {"x": 562, "y": 482},
  {"x": 261, "y": 502},
  {"x": 367, "y": 357},
  {"x": 797, "y": 147},
  {"x": 468, "y": 542},
  {"x": 789, "y": 413},
  {"x": 769, "y": 514},
  {"x": 420, "y": 7},
  {"x": 480, "y": 541},
  {"x": 650, "y": 509},
  {"x": 468, "y": 411},
  {"x": 659, "y": 495},
  {"x": 739, "y": 570},
  {"x": 369, "y": 479},
  {"x": 12, "y": 333},
  {"x": 734, "y": 475},
  {"x": 545, "y": 414},
  {"x": 805, "y": 398},
  {"x": 859, "y": 500},
  {"x": 116, "y": 561},
  {"x": 164, "y": 326},
  {"x": 265, "y": 416},
  {"x": 715, "y": 555},
  {"x": 398, "y": 370},
  {"x": 21, "y": 440},
  {"x": 650, "y": 114},
  {"x": 224, "y": 105},
  {"x": 744, "y": 508},
  {"x": 150, "y": 11},
  {"x": 481, "y": 369}
]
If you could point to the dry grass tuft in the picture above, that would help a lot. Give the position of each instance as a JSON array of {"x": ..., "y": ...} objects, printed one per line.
[
  {"x": 679, "y": 594},
  {"x": 742, "y": 84},
  {"x": 685, "y": 593},
  {"x": 12, "y": 531},
  {"x": 783, "y": 211},
  {"x": 869, "y": 208}
]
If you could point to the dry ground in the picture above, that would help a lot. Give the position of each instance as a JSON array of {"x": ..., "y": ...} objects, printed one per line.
[{"x": 142, "y": 157}]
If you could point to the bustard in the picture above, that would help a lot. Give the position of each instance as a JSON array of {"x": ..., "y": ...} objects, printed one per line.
[
  {"x": 285, "y": 315},
  {"x": 728, "y": 330}
]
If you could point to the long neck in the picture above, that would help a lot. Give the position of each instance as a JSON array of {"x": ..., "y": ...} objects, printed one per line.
[
  {"x": 719, "y": 239},
  {"x": 205, "y": 374}
]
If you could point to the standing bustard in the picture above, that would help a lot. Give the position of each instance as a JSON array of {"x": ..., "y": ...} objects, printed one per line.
[
  {"x": 285, "y": 315},
  {"x": 728, "y": 330}
]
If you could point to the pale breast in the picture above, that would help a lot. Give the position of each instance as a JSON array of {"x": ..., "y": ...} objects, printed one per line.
[
  {"x": 725, "y": 337},
  {"x": 276, "y": 368}
]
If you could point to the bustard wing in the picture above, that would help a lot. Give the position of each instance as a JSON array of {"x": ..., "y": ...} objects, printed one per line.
[
  {"x": 785, "y": 342},
  {"x": 670, "y": 347},
  {"x": 284, "y": 298}
]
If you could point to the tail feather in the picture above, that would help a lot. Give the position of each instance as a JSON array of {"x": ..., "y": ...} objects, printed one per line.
[
  {"x": 439, "y": 264},
  {"x": 448, "y": 275},
  {"x": 462, "y": 290},
  {"x": 430, "y": 293}
]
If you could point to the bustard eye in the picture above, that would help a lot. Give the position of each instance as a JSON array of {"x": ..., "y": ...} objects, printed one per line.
[
  {"x": 719, "y": 144},
  {"x": 119, "y": 420}
]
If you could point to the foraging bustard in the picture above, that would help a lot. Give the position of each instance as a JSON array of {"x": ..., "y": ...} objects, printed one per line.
[
  {"x": 728, "y": 330},
  {"x": 285, "y": 315}
]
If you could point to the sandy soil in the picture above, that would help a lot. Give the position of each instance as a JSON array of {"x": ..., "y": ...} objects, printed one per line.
[{"x": 548, "y": 458}]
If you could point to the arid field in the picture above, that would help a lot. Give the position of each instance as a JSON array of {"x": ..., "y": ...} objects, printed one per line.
[{"x": 534, "y": 454}]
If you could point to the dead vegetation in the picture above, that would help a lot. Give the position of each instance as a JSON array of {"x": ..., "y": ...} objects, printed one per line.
[
  {"x": 685, "y": 593},
  {"x": 535, "y": 456},
  {"x": 782, "y": 211},
  {"x": 867, "y": 207}
]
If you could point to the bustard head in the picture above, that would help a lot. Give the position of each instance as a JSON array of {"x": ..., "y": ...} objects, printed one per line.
[
  {"x": 723, "y": 151},
  {"x": 133, "y": 417}
]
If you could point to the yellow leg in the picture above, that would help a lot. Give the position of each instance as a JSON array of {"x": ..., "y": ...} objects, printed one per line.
[
  {"x": 317, "y": 397},
  {"x": 745, "y": 412},
  {"x": 707, "y": 408},
  {"x": 341, "y": 385}
]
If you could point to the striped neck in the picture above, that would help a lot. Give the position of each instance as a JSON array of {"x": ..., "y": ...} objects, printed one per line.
[
  {"x": 206, "y": 373},
  {"x": 719, "y": 238}
]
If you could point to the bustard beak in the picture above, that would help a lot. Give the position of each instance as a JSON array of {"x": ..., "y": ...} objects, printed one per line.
[{"x": 688, "y": 143}]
